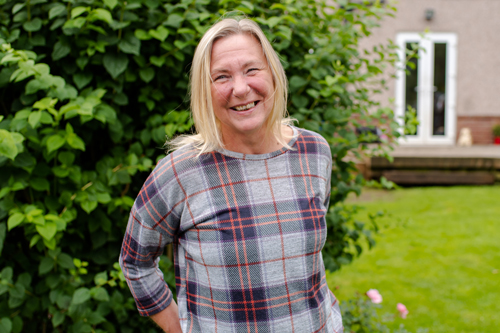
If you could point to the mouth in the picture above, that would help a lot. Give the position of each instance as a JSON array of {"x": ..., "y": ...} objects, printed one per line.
[{"x": 245, "y": 107}]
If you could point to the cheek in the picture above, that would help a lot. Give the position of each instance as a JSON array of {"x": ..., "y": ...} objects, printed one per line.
[
  {"x": 264, "y": 86},
  {"x": 219, "y": 95}
]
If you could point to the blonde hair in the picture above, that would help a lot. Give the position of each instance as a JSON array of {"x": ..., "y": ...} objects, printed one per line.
[{"x": 208, "y": 136}]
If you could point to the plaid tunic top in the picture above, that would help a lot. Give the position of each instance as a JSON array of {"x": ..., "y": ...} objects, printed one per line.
[{"x": 247, "y": 232}]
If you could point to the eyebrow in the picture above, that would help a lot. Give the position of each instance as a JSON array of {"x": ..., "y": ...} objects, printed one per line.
[{"x": 246, "y": 64}]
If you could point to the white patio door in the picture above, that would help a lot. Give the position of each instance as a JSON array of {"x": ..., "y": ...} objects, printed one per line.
[{"x": 430, "y": 87}]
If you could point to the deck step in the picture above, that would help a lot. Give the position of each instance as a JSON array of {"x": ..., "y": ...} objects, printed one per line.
[
  {"x": 437, "y": 177},
  {"x": 439, "y": 165}
]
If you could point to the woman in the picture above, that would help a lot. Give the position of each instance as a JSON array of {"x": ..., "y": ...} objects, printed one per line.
[{"x": 243, "y": 201}]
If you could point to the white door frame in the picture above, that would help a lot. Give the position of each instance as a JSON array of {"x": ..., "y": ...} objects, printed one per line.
[{"x": 426, "y": 87}]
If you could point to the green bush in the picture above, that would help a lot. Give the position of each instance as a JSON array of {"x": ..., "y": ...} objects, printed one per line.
[
  {"x": 496, "y": 131},
  {"x": 360, "y": 315},
  {"x": 89, "y": 92}
]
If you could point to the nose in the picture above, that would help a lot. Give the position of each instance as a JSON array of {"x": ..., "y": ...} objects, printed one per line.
[{"x": 240, "y": 86}]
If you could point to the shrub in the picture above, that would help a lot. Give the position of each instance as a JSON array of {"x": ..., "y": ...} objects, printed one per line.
[
  {"x": 496, "y": 130},
  {"x": 89, "y": 91}
]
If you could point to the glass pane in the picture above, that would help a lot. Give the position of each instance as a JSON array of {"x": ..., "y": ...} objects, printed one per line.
[
  {"x": 411, "y": 87},
  {"x": 438, "y": 126}
]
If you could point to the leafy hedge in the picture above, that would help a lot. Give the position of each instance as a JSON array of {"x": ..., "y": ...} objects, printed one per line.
[{"x": 90, "y": 89}]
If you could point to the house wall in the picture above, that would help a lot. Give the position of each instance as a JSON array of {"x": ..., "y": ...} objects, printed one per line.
[{"x": 477, "y": 26}]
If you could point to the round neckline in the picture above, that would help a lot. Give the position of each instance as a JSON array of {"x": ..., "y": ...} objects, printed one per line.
[{"x": 266, "y": 156}]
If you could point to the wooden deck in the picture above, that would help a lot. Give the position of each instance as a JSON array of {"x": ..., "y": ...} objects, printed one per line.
[{"x": 450, "y": 165}]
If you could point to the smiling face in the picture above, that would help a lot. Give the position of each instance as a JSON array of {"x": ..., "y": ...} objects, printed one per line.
[{"x": 242, "y": 88}]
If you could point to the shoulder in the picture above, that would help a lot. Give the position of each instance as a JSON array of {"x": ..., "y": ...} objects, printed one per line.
[
  {"x": 175, "y": 164},
  {"x": 312, "y": 142}
]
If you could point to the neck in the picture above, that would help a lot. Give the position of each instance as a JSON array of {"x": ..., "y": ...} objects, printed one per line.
[{"x": 257, "y": 143}]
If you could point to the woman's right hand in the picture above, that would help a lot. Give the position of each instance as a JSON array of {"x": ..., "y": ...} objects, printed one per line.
[{"x": 168, "y": 319}]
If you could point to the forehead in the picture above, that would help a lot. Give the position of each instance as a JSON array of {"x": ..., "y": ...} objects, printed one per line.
[{"x": 236, "y": 48}]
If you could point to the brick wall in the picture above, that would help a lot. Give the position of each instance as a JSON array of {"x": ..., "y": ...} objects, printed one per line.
[{"x": 481, "y": 128}]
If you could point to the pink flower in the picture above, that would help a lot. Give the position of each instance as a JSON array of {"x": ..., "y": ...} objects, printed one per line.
[
  {"x": 403, "y": 311},
  {"x": 374, "y": 296}
]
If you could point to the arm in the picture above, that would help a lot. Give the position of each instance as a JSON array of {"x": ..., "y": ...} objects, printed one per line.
[
  {"x": 151, "y": 226},
  {"x": 168, "y": 319}
]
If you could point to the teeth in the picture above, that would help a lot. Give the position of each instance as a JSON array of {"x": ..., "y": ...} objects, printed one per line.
[{"x": 244, "y": 107}]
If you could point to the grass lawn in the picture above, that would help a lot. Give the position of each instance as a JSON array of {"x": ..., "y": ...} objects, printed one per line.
[{"x": 438, "y": 252}]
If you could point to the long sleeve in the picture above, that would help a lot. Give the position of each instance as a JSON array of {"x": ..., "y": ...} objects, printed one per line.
[{"x": 152, "y": 224}]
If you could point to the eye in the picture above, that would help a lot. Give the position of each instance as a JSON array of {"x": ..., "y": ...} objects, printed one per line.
[
  {"x": 220, "y": 77},
  {"x": 252, "y": 70}
]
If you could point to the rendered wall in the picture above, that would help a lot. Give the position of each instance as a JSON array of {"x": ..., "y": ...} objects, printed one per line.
[{"x": 477, "y": 25}]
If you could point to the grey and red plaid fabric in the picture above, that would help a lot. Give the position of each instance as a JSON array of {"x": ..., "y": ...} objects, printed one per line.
[{"x": 247, "y": 232}]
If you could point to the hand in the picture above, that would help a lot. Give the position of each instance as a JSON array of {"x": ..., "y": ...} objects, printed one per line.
[{"x": 168, "y": 319}]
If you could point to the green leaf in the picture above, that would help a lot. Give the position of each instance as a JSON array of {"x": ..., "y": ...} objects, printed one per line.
[
  {"x": 3, "y": 233},
  {"x": 39, "y": 184},
  {"x": 15, "y": 220},
  {"x": 4, "y": 191},
  {"x": 57, "y": 10},
  {"x": 82, "y": 79},
  {"x": 46, "y": 265},
  {"x": 69, "y": 129},
  {"x": 60, "y": 50},
  {"x": 313, "y": 93},
  {"x": 38, "y": 40},
  {"x": 60, "y": 171},
  {"x": 7, "y": 274},
  {"x": 76, "y": 23},
  {"x": 89, "y": 206},
  {"x": 77, "y": 11},
  {"x": 8, "y": 146},
  {"x": 130, "y": 44},
  {"x": 58, "y": 318},
  {"x": 101, "y": 14},
  {"x": 101, "y": 278},
  {"x": 34, "y": 240},
  {"x": 107, "y": 112},
  {"x": 82, "y": 327},
  {"x": 161, "y": 33},
  {"x": 45, "y": 103},
  {"x": 157, "y": 61},
  {"x": 36, "y": 84},
  {"x": 111, "y": 3},
  {"x": 80, "y": 296},
  {"x": 5, "y": 325},
  {"x": 299, "y": 101},
  {"x": 50, "y": 244},
  {"x": 103, "y": 198},
  {"x": 34, "y": 118},
  {"x": 100, "y": 294},
  {"x": 75, "y": 141},
  {"x": 66, "y": 158},
  {"x": 180, "y": 44},
  {"x": 17, "y": 324},
  {"x": 142, "y": 34},
  {"x": 174, "y": 20},
  {"x": 17, "y": 7},
  {"x": 34, "y": 25},
  {"x": 63, "y": 301},
  {"x": 147, "y": 74},
  {"x": 95, "y": 318},
  {"x": 82, "y": 62},
  {"x": 115, "y": 64},
  {"x": 3, "y": 289},
  {"x": 55, "y": 142},
  {"x": 48, "y": 230},
  {"x": 65, "y": 261},
  {"x": 272, "y": 21},
  {"x": 297, "y": 82},
  {"x": 15, "y": 302},
  {"x": 17, "y": 291}
]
